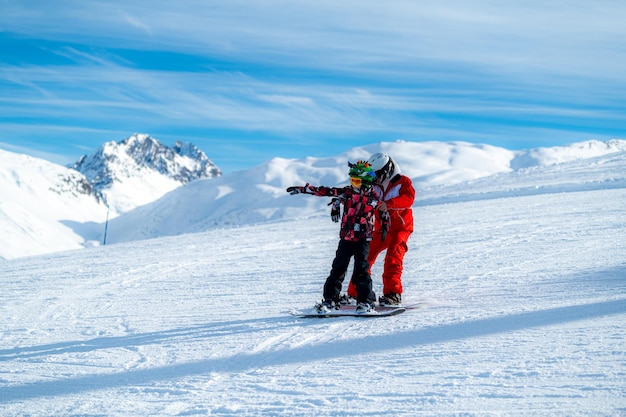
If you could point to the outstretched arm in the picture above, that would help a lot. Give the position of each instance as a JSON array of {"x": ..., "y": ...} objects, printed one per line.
[{"x": 318, "y": 191}]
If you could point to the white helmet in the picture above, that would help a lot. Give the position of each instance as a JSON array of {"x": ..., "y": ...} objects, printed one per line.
[
  {"x": 383, "y": 165},
  {"x": 378, "y": 161}
]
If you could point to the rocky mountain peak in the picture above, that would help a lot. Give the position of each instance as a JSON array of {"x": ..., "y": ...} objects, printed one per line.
[{"x": 121, "y": 167}]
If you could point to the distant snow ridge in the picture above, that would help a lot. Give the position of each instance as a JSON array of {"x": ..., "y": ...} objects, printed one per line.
[
  {"x": 560, "y": 154},
  {"x": 140, "y": 169}
]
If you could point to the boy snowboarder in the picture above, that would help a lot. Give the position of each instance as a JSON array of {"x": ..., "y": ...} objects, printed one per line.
[{"x": 357, "y": 226}]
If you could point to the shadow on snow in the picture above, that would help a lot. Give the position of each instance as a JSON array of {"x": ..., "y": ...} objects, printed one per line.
[{"x": 308, "y": 353}]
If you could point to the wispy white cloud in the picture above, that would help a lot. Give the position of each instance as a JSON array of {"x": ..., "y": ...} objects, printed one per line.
[
  {"x": 343, "y": 33},
  {"x": 309, "y": 70},
  {"x": 136, "y": 22}
]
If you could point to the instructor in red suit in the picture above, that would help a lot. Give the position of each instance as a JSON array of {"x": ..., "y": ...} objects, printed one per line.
[{"x": 398, "y": 197}]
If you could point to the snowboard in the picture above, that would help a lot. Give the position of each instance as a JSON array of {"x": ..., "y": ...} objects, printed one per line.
[{"x": 349, "y": 311}]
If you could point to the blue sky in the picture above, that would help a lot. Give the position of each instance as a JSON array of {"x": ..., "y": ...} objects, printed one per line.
[{"x": 249, "y": 80}]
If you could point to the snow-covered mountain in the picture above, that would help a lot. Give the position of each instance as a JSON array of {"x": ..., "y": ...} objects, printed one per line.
[
  {"x": 36, "y": 218},
  {"x": 140, "y": 169},
  {"x": 258, "y": 195}
]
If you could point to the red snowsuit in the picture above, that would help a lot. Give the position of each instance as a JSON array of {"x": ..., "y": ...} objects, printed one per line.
[{"x": 399, "y": 197}]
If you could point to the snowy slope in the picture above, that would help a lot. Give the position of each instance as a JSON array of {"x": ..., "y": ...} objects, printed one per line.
[
  {"x": 597, "y": 173},
  {"x": 526, "y": 296},
  {"x": 44, "y": 207}
]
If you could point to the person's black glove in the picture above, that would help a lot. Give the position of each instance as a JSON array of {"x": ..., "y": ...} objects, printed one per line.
[
  {"x": 385, "y": 221},
  {"x": 335, "y": 211},
  {"x": 307, "y": 189}
]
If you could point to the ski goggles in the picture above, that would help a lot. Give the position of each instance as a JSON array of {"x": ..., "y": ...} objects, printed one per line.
[{"x": 356, "y": 182}]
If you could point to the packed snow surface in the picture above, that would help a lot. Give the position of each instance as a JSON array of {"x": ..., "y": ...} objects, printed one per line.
[{"x": 523, "y": 275}]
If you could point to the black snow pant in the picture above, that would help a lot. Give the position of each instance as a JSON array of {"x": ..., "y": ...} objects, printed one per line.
[{"x": 361, "y": 277}]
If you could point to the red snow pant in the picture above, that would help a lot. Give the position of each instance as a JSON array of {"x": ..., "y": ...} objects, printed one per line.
[{"x": 396, "y": 246}]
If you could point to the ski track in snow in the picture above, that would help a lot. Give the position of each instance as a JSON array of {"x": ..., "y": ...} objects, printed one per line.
[{"x": 526, "y": 305}]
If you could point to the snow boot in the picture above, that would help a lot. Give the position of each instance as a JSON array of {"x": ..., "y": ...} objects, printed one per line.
[
  {"x": 390, "y": 299},
  {"x": 326, "y": 306},
  {"x": 346, "y": 300},
  {"x": 363, "y": 308}
]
